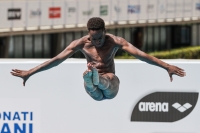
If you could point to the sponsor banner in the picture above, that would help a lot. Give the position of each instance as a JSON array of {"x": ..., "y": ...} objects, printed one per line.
[
  {"x": 116, "y": 10},
  {"x": 58, "y": 12},
  {"x": 54, "y": 12},
  {"x": 187, "y": 8},
  {"x": 196, "y": 8},
  {"x": 71, "y": 12},
  {"x": 179, "y": 8},
  {"x": 143, "y": 14},
  {"x": 152, "y": 9},
  {"x": 14, "y": 14},
  {"x": 17, "y": 116},
  {"x": 123, "y": 15},
  {"x": 17, "y": 14},
  {"x": 161, "y": 11},
  {"x": 105, "y": 10},
  {"x": 34, "y": 13},
  {"x": 46, "y": 20},
  {"x": 84, "y": 11},
  {"x": 67, "y": 108},
  {"x": 171, "y": 9},
  {"x": 134, "y": 10},
  {"x": 4, "y": 6},
  {"x": 164, "y": 106},
  {"x": 95, "y": 5}
]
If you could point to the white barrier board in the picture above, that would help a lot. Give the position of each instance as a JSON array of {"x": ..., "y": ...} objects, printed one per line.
[{"x": 55, "y": 101}]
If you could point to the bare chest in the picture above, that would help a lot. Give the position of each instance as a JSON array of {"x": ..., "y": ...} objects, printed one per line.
[{"x": 101, "y": 55}]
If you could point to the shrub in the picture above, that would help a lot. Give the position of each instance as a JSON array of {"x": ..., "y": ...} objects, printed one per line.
[{"x": 192, "y": 52}]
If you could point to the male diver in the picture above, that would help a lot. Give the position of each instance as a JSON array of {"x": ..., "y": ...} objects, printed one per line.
[{"x": 99, "y": 48}]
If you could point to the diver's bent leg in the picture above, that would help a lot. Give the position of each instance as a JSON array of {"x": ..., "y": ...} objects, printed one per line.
[
  {"x": 96, "y": 94},
  {"x": 104, "y": 83},
  {"x": 87, "y": 76},
  {"x": 95, "y": 76},
  {"x": 113, "y": 87}
]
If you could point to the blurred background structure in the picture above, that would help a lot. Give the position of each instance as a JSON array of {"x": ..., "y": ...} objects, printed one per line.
[{"x": 43, "y": 28}]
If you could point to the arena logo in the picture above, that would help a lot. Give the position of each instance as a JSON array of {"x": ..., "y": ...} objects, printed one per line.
[
  {"x": 153, "y": 107},
  {"x": 164, "y": 106},
  {"x": 16, "y": 122}
]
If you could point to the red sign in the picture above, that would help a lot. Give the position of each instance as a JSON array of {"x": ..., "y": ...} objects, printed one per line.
[{"x": 54, "y": 12}]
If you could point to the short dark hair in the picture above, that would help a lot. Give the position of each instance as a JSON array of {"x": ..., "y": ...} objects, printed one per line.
[{"x": 95, "y": 23}]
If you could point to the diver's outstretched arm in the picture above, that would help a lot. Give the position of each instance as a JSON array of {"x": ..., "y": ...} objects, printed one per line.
[
  {"x": 126, "y": 46},
  {"x": 66, "y": 53}
]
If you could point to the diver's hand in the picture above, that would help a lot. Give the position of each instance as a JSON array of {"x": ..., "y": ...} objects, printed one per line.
[
  {"x": 175, "y": 70},
  {"x": 22, "y": 74}
]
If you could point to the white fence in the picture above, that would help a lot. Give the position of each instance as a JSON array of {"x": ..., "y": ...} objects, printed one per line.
[
  {"x": 52, "y": 14},
  {"x": 55, "y": 101}
]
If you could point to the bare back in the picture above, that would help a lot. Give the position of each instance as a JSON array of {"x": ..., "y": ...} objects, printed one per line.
[{"x": 102, "y": 58}]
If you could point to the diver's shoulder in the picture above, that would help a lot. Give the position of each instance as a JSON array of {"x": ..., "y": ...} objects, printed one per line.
[
  {"x": 113, "y": 38},
  {"x": 82, "y": 40}
]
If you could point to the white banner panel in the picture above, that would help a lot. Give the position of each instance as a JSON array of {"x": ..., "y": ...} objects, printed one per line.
[
  {"x": 59, "y": 13},
  {"x": 34, "y": 13},
  {"x": 84, "y": 11},
  {"x": 134, "y": 9},
  {"x": 152, "y": 9},
  {"x": 187, "y": 8},
  {"x": 143, "y": 5},
  {"x": 162, "y": 9},
  {"x": 123, "y": 14},
  {"x": 94, "y": 5},
  {"x": 20, "y": 115},
  {"x": 63, "y": 106},
  {"x": 71, "y": 12},
  {"x": 196, "y": 8},
  {"x": 179, "y": 8},
  {"x": 116, "y": 9},
  {"x": 18, "y": 14},
  {"x": 4, "y": 7},
  {"x": 171, "y": 10},
  {"x": 105, "y": 9},
  {"x": 46, "y": 18}
]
